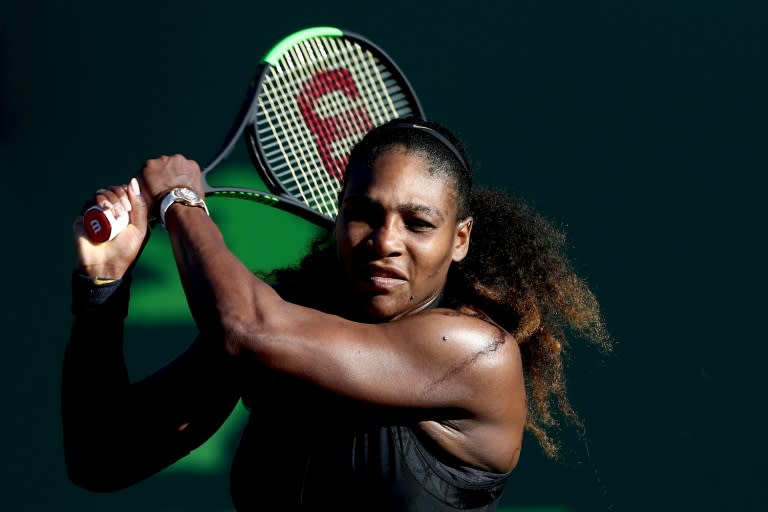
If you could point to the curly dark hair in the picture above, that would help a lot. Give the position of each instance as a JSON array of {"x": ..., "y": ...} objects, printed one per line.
[{"x": 516, "y": 272}]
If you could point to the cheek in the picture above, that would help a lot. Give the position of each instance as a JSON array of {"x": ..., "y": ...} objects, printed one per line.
[
  {"x": 351, "y": 236},
  {"x": 434, "y": 258},
  {"x": 348, "y": 240}
]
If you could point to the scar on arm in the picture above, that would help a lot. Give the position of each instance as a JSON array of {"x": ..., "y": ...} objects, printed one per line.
[{"x": 492, "y": 346}]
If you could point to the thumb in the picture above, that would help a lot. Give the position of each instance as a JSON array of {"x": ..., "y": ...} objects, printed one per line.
[{"x": 139, "y": 209}]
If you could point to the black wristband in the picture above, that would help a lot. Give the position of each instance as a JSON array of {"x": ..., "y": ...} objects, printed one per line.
[{"x": 106, "y": 299}]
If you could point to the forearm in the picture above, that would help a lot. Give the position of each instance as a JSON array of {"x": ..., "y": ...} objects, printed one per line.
[
  {"x": 117, "y": 432},
  {"x": 224, "y": 296},
  {"x": 95, "y": 380},
  {"x": 94, "y": 368}
]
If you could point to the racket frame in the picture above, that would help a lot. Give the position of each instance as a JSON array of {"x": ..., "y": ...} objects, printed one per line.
[{"x": 244, "y": 126}]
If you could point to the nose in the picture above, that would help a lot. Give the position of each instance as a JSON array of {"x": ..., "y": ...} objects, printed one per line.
[{"x": 386, "y": 239}]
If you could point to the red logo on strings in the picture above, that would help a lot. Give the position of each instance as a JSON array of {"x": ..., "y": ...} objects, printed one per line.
[{"x": 327, "y": 130}]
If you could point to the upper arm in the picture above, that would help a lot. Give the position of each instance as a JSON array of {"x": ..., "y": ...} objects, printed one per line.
[
  {"x": 120, "y": 432},
  {"x": 435, "y": 359}
]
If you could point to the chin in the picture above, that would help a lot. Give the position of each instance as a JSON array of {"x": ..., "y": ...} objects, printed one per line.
[{"x": 381, "y": 308}]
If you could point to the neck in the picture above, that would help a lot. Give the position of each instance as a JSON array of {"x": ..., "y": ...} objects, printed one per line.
[{"x": 430, "y": 303}]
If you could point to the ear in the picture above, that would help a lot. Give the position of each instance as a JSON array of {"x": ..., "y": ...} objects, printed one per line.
[{"x": 461, "y": 240}]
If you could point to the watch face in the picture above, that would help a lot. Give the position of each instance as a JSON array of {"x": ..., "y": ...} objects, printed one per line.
[{"x": 187, "y": 195}]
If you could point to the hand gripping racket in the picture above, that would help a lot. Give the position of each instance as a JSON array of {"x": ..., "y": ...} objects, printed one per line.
[{"x": 314, "y": 96}]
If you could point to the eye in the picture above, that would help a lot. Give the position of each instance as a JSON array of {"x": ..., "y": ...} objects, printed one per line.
[
  {"x": 418, "y": 224},
  {"x": 352, "y": 213},
  {"x": 359, "y": 211}
]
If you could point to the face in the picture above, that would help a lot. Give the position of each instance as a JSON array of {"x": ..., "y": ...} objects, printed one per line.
[{"x": 397, "y": 234}]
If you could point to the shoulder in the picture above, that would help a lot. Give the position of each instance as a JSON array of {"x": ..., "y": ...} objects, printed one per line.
[
  {"x": 482, "y": 365},
  {"x": 466, "y": 337},
  {"x": 467, "y": 324}
]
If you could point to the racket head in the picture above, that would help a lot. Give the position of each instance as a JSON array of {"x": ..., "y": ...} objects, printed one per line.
[{"x": 315, "y": 95}]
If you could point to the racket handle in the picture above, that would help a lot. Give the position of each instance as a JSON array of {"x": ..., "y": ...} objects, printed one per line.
[{"x": 101, "y": 225}]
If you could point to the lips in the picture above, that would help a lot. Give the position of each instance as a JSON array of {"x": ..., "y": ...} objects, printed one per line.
[{"x": 382, "y": 278}]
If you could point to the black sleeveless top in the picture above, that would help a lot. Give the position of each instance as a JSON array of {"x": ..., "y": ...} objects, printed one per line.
[{"x": 304, "y": 449}]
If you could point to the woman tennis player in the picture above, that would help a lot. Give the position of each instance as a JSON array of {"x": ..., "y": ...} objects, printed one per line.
[{"x": 394, "y": 369}]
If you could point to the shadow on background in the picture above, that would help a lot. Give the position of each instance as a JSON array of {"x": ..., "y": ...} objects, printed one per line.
[{"x": 638, "y": 125}]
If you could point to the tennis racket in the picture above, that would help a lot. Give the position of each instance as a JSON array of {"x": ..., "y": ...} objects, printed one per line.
[{"x": 314, "y": 96}]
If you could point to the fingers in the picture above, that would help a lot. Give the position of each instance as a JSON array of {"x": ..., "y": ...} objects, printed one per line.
[
  {"x": 158, "y": 176},
  {"x": 139, "y": 209},
  {"x": 115, "y": 199},
  {"x": 146, "y": 193},
  {"x": 122, "y": 205}
]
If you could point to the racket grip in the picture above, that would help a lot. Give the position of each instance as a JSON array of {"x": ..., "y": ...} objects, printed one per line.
[{"x": 101, "y": 225}]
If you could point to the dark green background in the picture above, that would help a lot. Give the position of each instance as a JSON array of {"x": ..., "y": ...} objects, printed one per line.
[{"x": 641, "y": 125}]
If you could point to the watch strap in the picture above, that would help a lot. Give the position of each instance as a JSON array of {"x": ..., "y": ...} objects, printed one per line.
[{"x": 173, "y": 197}]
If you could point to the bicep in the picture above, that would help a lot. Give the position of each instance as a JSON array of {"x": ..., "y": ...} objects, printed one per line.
[{"x": 434, "y": 359}]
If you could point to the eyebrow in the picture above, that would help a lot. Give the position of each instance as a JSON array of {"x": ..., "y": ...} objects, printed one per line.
[
  {"x": 420, "y": 208},
  {"x": 402, "y": 208}
]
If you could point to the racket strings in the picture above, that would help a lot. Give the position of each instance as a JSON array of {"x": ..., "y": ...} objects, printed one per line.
[
  {"x": 343, "y": 58},
  {"x": 326, "y": 83},
  {"x": 297, "y": 171},
  {"x": 307, "y": 177},
  {"x": 380, "y": 105},
  {"x": 344, "y": 91},
  {"x": 325, "y": 92},
  {"x": 387, "y": 99}
]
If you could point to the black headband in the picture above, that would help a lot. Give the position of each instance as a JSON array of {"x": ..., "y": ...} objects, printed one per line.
[{"x": 436, "y": 135}]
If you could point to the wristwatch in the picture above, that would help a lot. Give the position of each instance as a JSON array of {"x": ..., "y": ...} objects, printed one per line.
[{"x": 183, "y": 195}]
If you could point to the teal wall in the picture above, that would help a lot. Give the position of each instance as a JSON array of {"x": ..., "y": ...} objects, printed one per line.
[{"x": 641, "y": 125}]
